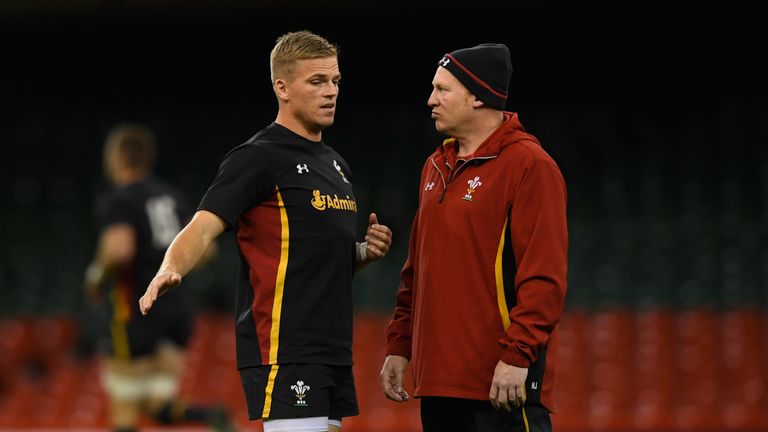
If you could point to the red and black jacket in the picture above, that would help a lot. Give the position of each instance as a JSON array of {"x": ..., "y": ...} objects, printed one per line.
[{"x": 485, "y": 278}]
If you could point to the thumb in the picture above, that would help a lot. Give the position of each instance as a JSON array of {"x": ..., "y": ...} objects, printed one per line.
[
  {"x": 175, "y": 279},
  {"x": 372, "y": 219}
]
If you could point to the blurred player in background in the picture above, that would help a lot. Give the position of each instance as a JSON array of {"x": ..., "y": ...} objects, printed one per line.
[{"x": 138, "y": 218}]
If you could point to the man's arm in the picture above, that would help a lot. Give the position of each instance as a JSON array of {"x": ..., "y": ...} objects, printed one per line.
[
  {"x": 117, "y": 247},
  {"x": 210, "y": 253},
  {"x": 189, "y": 246},
  {"x": 399, "y": 329},
  {"x": 539, "y": 239}
]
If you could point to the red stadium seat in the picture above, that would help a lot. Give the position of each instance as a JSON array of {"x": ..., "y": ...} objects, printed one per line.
[
  {"x": 654, "y": 373},
  {"x": 698, "y": 362},
  {"x": 619, "y": 371},
  {"x": 574, "y": 383},
  {"x": 612, "y": 345},
  {"x": 54, "y": 338}
]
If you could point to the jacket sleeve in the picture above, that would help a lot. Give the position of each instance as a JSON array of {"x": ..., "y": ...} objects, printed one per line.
[
  {"x": 539, "y": 238},
  {"x": 399, "y": 329}
]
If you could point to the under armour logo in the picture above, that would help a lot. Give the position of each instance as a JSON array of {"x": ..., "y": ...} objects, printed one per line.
[
  {"x": 429, "y": 186},
  {"x": 534, "y": 385},
  {"x": 302, "y": 168},
  {"x": 444, "y": 61}
]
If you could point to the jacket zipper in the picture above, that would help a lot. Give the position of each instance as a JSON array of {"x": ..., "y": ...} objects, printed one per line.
[
  {"x": 445, "y": 186},
  {"x": 453, "y": 173},
  {"x": 467, "y": 162}
]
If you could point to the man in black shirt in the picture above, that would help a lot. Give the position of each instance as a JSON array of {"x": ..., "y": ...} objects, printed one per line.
[
  {"x": 138, "y": 219},
  {"x": 290, "y": 201}
]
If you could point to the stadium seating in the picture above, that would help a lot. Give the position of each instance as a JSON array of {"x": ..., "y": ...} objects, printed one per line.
[{"x": 620, "y": 370}]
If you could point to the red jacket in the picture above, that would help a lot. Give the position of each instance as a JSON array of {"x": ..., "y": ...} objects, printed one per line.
[{"x": 485, "y": 278}]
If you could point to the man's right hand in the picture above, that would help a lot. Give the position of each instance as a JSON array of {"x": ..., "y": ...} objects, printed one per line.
[
  {"x": 391, "y": 378},
  {"x": 160, "y": 284}
]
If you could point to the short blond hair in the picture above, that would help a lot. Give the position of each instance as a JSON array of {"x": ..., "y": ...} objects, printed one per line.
[
  {"x": 301, "y": 45},
  {"x": 135, "y": 144}
]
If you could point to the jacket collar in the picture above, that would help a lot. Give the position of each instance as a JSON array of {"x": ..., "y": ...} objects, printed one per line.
[{"x": 510, "y": 131}]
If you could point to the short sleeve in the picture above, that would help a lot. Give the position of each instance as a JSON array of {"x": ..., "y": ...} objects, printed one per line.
[
  {"x": 244, "y": 180},
  {"x": 113, "y": 209}
]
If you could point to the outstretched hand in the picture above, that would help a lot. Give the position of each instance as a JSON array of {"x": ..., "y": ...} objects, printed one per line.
[
  {"x": 378, "y": 237},
  {"x": 160, "y": 284}
]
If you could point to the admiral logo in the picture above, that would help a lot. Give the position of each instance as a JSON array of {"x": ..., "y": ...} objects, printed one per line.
[{"x": 323, "y": 202}]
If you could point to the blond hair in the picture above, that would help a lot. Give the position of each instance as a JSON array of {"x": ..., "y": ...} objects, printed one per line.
[
  {"x": 294, "y": 46},
  {"x": 136, "y": 145}
]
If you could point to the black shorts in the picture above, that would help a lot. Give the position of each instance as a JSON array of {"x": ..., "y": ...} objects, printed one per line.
[
  {"x": 299, "y": 390},
  {"x": 466, "y": 415},
  {"x": 142, "y": 335}
]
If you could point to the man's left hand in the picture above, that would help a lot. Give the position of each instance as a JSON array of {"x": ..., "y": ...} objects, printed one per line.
[
  {"x": 508, "y": 386},
  {"x": 378, "y": 237}
]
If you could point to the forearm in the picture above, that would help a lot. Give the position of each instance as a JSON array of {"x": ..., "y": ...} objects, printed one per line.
[
  {"x": 399, "y": 328},
  {"x": 192, "y": 244},
  {"x": 96, "y": 273},
  {"x": 540, "y": 243},
  {"x": 116, "y": 248},
  {"x": 186, "y": 250},
  {"x": 532, "y": 321},
  {"x": 540, "y": 285},
  {"x": 99, "y": 269}
]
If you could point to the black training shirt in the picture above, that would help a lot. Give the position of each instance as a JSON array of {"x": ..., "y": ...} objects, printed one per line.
[
  {"x": 291, "y": 205},
  {"x": 156, "y": 211}
]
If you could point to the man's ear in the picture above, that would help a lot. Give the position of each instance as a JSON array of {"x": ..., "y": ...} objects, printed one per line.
[
  {"x": 477, "y": 103},
  {"x": 281, "y": 89}
]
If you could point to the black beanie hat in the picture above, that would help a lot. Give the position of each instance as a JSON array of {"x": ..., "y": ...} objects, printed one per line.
[{"x": 485, "y": 70}]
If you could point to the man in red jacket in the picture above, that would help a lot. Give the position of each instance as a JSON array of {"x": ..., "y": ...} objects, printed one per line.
[{"x": 482, "y": 291}]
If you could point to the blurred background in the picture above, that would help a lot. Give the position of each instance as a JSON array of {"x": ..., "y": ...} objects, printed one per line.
[{"x": 656, "y": 112}]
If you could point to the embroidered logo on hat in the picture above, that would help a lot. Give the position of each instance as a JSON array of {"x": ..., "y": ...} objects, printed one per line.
[{"x": 485, "y": 70}]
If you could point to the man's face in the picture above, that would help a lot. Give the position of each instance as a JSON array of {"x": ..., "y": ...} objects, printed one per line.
[
  {"x": 450, "y": 101},
  {"x": 312, "y": 91}
]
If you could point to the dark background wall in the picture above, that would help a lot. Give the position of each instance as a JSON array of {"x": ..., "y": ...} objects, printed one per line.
[{"x": 656, "y": 113}]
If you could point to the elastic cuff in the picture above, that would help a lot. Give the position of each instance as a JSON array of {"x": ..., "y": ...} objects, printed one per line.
[
  {"x": 399, "y": 349},
  {"x": 514, "y": 358}
]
